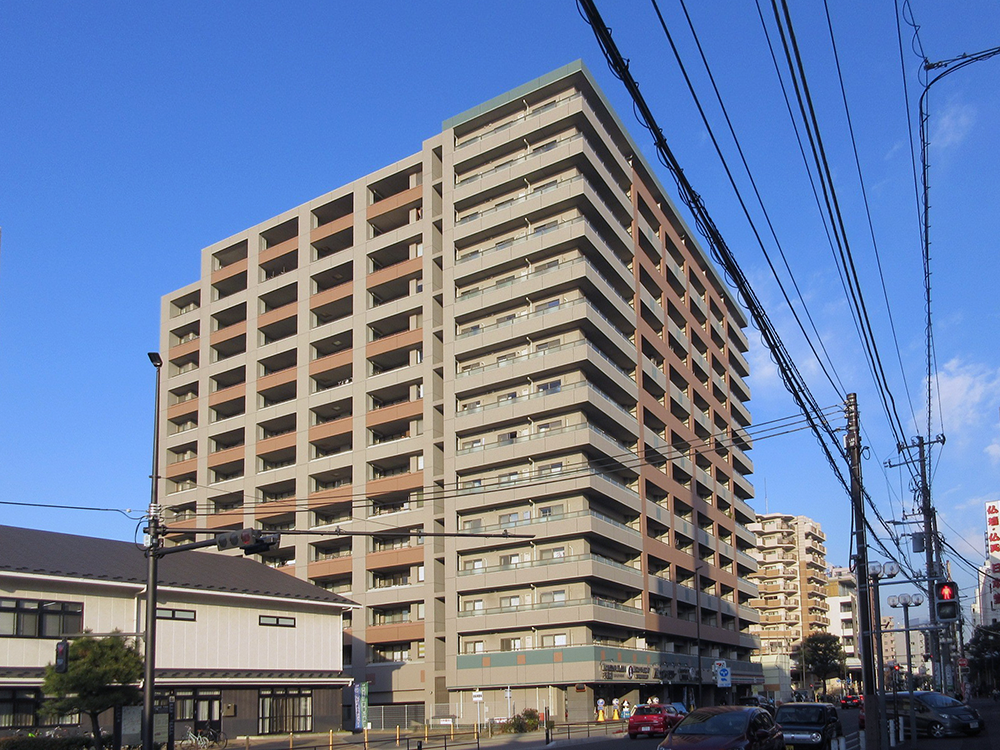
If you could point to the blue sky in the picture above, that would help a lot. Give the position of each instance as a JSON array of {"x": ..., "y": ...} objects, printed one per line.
[{"x": 133, "y": 135}]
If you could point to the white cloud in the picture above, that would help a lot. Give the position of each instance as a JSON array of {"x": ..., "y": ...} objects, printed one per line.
[
  {"x": 969, "y": 397},
  {"x": 993, "y": 451},
  {"x": 954, "y": 124}
]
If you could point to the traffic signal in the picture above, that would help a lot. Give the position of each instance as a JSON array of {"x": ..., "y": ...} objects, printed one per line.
[
  {"x": 62, "y": 656},
  {"x": 946, "y": 605},
  {"x": 251, "y": 541}
]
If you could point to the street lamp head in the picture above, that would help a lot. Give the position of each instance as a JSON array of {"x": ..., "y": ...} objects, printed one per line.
[
  {"x": 917, "y": 599},
  {"x": 905, "y": 599},
  {"x": 890, "y": 569},
  {"x": 893, "y": 601},
  {"x": 154, "y": 357}
]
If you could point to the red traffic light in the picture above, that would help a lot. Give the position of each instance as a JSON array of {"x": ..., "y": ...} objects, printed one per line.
[{"x": 946, "y": 592}]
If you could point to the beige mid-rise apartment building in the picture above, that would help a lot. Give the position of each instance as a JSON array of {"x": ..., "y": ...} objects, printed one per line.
[
  {"x": 842, "y": 599},
  {"x": 792, "y": 581},
  {"x": 504, "y": 369}
]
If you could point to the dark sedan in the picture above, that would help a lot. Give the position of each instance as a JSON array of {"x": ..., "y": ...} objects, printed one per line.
[
  {"x": 726, "y": 728},
  {"x": 809, "y": 726}
]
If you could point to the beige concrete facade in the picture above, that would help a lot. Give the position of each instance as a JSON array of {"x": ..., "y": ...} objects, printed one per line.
[
  {"x": 510, "y": 332},
  {"x": 792, "y": 581}
]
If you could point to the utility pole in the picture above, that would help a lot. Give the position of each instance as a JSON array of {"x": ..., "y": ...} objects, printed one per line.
[
  {"x": 932, "y": 545},
  {"x": 152, "y": 557},
  {"x": 873, "y": 736}
]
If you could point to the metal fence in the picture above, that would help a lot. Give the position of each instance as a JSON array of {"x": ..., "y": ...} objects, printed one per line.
[{"x": 390, "y": 717}]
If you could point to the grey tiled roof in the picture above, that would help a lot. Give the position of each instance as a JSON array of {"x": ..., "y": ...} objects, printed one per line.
[{"x": 54, "y": 554}]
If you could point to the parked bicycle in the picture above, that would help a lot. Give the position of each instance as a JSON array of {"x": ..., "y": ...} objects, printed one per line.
[{"x": 204, "y": 738}]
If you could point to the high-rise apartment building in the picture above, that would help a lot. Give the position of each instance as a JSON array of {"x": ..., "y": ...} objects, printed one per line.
[
  {"x": 792, "y": 581},
  {"x": 842, "y": 599},
  {"x": 504, "y": 369}
]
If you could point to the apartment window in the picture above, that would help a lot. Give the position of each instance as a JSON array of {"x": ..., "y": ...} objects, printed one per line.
[
  {"x": 473, "y": 524},
  {"x": 551, "y": 304},
  {"x": 471, "y": 484},
  {"x": 420, "y": 572},
  {"x": 553, "y": 386},
  {"x": 471, "y": 366},
  {"x": 506, "y": 438},
  {"x": 546, "y": 426},
  {"x": 473, "y": 647},
  {"x": 555, "y": 640},
  {"x": 276, "y": 622},
  {"x": 472, "y": 605},
  {"x": 504, "y": 397},
  {"x": 553, "y": 553},
  {"x": 507, "y": 478},
  {"x": 508, "y": 519},
  {"x": 542, "y": 267},
  {"x": 550, "y": 344},
  {"x": 472, "y": 444},
  {"x": 477, "y": 564},
  {"x": 553, "y": 597},
  {"x": 175, "y": 614},
  {"x": 554, "y": 468},
  {"x": 31, "y": 618},
  {"x": 510, "y": 601},
  {"x": 505, "y": 319},
  {"x": 510, "y": 644},
  {"x": 471, "y": 329},
  {"x": 471, "y": 405},
  {"x": 550, "y": 510},
  {"x": 510, "y": 560}
]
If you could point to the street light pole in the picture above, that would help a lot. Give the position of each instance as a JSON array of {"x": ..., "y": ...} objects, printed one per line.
[
  {"x": 152, "y": 556},
  {"x": 905, "y": 601}
]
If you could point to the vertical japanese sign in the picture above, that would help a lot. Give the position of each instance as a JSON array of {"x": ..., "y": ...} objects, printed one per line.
[
  {"x": 991, "y": 598},
  {"x": 360, "y": 706}
]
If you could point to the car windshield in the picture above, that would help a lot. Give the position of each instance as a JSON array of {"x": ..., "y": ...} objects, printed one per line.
[
  {"x": 648, "y": 710},
  {"x": 936, "y": 700},
  {"x": 799, "y": 715},
  {"x": 730, "y": 724}
]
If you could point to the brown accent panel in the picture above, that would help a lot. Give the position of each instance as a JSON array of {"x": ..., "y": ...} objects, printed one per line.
[
  {"x": 276, "y": 508},
  {"x": 334, "y": 293},
  {"x": 226, "y": 456},
  {"x": 410, "y": 196},
  {"x": 279, "y": 313},
  {"x": 184, "y": 407},
  {"x": 331, "y": 362},
  {"x": 337, "y": 225},
  {"x": 276, "y": 251},
  {"x": 413, "y": 480},
  {"x": 405, "y": 410},
  {"x": 404, "y": 631},
  {"x": 486, "y": 661},
  {"x": 187, "y": 523},
  {"x": 271, "y": 444},
  {"x": 393, "y": 558},
  {"x": 322, "y": 498},
  {"x": 400, "y": 270},
  {"x": 332, "y": 567},
  {"x": 188, "y": 347},
  {"x": 557, "y": 657},
  {"x": 395, "y": 341},
  {"x": 232, "y": 519},
  {"x": 233, "y": 269},
  {"x": 276, "y": 378},
  {"x": 340, "y": 426},
  {"x": 521, "y": 659},
  {"x": 229, "y": 332},
  {"x": 223, "y": 395},
  {"x": 182, "y": 467}
]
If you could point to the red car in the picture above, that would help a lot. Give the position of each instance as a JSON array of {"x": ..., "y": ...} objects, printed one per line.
[{"x": 653, "y": 718}]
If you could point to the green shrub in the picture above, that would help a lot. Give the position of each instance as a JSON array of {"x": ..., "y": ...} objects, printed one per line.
[
  {"x": 78, "y": 742},
  {"x": 526, "y": 721}
]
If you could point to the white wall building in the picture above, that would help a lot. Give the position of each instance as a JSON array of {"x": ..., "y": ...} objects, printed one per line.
[{"x": 238, "y": 645}]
